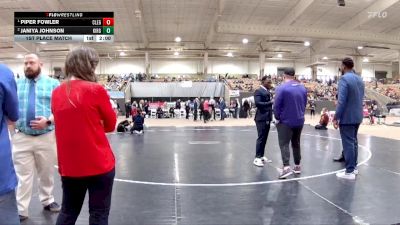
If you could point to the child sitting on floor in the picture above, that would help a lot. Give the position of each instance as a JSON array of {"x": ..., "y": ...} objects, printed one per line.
[{"x": 323, "y": 122}]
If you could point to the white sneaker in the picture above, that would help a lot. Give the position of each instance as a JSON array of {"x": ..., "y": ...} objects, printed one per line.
[
  {"x": 265, "y": 159},
  {"x": 138, "y": 132},
  {"x": 355, "y": 171},
  {"x": 285, "y": 172},
  {"x": 344, "y": 175},
  {"x": 297, "y": 169},
  {"x": 258, "y": 162}
]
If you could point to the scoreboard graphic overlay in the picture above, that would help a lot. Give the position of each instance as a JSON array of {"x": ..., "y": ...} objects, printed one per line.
[{"x": 64, "y": 26}]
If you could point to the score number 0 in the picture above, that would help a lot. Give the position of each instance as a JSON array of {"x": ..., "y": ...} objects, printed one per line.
[{"x": 108, "y": 22}]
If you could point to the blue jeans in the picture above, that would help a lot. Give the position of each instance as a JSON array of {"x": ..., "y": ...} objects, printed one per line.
[
  {"x": 348, "y": 133},
  {"x": 8, "y": 209}
]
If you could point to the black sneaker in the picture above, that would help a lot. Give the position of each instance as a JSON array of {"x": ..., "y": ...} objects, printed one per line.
[
  {"x": 339, "y": 159},
  {"x": 53, "y": 207},
  {"x": 22, "y": 218}
]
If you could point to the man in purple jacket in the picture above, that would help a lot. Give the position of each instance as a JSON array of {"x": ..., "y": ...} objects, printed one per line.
[{"x": 289, "y": 107}]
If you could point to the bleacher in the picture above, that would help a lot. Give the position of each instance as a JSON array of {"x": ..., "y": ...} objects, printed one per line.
[
  {"x": 318, "y": 91},
  {"x": 390, "y": 90},
  {"x": 243, "y": 84}
]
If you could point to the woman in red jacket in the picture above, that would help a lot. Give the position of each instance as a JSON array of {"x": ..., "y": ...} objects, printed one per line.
[{"x": 83, "y": 114}]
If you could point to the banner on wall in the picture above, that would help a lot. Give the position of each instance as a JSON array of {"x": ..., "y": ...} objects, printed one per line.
[
  {"x": 234, "y": 93},
  {"x": 116, "y": 94},
  {"x": 187, "y": 84},
  {"x": 155, "y": 105}
]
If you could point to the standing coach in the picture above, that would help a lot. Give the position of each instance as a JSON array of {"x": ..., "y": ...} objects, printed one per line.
[{"x": 263, "y": 118}]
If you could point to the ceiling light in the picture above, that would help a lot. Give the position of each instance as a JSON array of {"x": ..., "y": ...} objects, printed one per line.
[
  {"x": 176, "y": 53},
  {"x": 365, "y": 60},
  {"x": 122, "y": 54},
  {"x": 360, "y": 47},
  {"x": 43, "y": 42},
  {"x": 279, "y": 55},
  {"x": 325, "y": 58},
  {"x": 245, "y": 41},
  {"x": 230, "y": 54},
  {"x": 306, "y": 43},
  {"x": 178, "y": 39},
  {"x": 20, "y": 56}
]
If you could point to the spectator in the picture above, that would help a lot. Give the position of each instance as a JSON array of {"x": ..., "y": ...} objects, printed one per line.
[
  {"x": 146, "y": 107},
  {"x": 201, "y": 107},
  {"x": 222, "y": 107},
  {"x": 160, "y": 112},
  {"x": 236, "y": 107},
  {"x": 206, "y": 111},
  {"x": 246, "y": 108},
  {"x": 178, "y": 105},
  {"x": 172, "y": 112},
  {"x": 195, "y": 108},
  {"x": 312, "y": 109},
  {"x": 134, "y": 110},
  {"x": 128, "y": 109},
  {"x": 212, "y": 104},
  {"x": 187, "y": 108}
]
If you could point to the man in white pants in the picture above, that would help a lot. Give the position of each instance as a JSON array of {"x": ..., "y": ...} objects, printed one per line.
[{"x": 34, "y": 143}]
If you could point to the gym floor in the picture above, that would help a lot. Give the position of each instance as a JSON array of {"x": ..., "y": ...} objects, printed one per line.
[{"x": 205, "y": 175}]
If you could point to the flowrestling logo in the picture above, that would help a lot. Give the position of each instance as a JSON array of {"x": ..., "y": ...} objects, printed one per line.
[{"x": 379, "y": 15}]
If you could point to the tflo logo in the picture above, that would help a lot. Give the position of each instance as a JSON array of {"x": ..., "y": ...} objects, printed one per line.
[{"x": 380, "y": 15}]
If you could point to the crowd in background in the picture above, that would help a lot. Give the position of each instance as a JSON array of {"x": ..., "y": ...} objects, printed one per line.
[
  {"x": 317, "y": 90},
  {"x": 320, "y": 91},
  {"x": 206, "y": 109},
  {"x": 390, "y": 90}
]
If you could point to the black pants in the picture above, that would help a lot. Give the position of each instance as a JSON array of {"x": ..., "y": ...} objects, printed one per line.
[
  {"x": 320, "y": 127},
  {"x": 201, "y": 113},
  {"x": 206, "y": 115},
  {"x": 187, "y": 113},
  {"x": 74, "y": 191},
  {"x": 213, "y": 111},
  {"x": 262, "y": 131},
  {"x": 223, "y": 116},
  {"x": 195, "y": 114},
  {"x": 286, "y": 135},
  {"x": 312, "y": 112}
]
